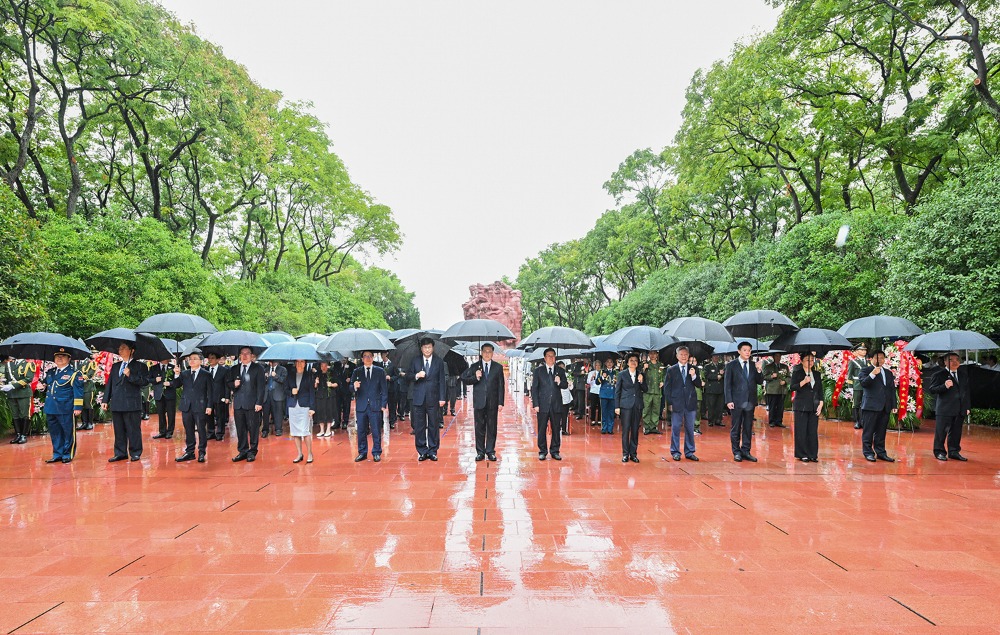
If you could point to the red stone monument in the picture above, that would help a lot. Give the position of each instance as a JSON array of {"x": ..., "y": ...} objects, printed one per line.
[{"x": 495, "y": 301}]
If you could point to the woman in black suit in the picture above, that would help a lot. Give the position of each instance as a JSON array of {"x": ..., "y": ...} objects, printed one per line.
[{"x": 807, "y": 386}]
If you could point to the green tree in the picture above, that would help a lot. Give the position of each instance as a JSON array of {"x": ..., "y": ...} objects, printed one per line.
[{"x": 24, "y": 274}]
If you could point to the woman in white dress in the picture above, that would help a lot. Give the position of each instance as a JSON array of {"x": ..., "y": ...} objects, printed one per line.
[{"x": 300, "y": 386}]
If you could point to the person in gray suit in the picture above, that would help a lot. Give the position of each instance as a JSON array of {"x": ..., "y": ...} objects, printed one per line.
[
  {"x": 486, "y": 378},
  {"x": 879, "y": 402},
  {"x": 274, "y": 403},
  {"x": 680, "y": 389},
  {"x": 628, "y": 405},
  {"x": 740, "y": 389},
  {"x": 123, "y": 395}
]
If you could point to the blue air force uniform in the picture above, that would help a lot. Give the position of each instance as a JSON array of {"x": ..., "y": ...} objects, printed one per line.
[{"x": 64, "y": 394}]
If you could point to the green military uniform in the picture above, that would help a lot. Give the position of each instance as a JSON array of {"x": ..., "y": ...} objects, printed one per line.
[
  {"x": 88, "y": 371},
  {"x": 19, "y": 375},
  {"x": 713, "y": 374},
  {"x": 651, "y": 399},
  {"x": 854, "y": 368},
  {"x": 776, "y": 376}
]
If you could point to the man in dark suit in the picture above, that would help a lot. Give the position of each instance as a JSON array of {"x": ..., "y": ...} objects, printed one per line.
[
  {"x": 680, "y": 389},
  {"x": 954, "y": 403},
  {"x": 628, "y": 405},
  {"x": 879, "y": 402},
  {"x": 220, "y": 397},
  {"x": 164, "y": 381},
  {"x": 246, "y": 381},
  {"x": 197, "y": 397},
  {"x": 123, "y": 394},
  {"x": 392, "y": 379},
  {"x": 371, "y": 394},
  {"x": 486, "y": 378},
  {"x": 547, "y": 383},
  {"x": 429, "y": 392},
  {"x": 740, "y": 389},
  {"x": 274, "y": 402}
]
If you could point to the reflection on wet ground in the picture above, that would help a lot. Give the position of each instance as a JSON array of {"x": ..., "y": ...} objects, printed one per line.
[{"x": 583, "y": 545}]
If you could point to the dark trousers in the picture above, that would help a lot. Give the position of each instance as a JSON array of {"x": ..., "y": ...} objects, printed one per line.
[
  {"x": 195, "y": 422},
  {"x": 345, "y": 409},
  {"x": 486, "y": 429},
  {"x": 742, "y": 431},
  {"x": 595, "y": 408},
  {"x": 948, "y": 428},
  {"x": 580, "y": 403},
  {"x": 806, "y": 434},
  {"x": 393, "y": 406},
  {"x": 425, "y": 428},
  {"x": 631, "y": 419},
  {"x": 274, "y": 409},
  {"x": 858, "y": 418},
  {"x": 63, "y": 435},
  {"x": 402, "y": 405},
  {"x": 548, "y": 420},
  {"x": 167, "y": 411},
  {"x": 128, "y": 432},
  {"x": 873, "y": 434},
  {"x": 562, "y": 419},
  {"x": 219, "y": 418},
  {"x": 247, "y": 431},
  {"x": 775, "y": 409},
  {"x": 86, "y": 416},
  {"x": 370, "y": 422},
  {"x": 713, "y": 408}
]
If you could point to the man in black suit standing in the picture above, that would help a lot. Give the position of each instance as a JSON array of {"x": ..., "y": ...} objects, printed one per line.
[
  {"x": 164, "y": 383},
  {"x": 628, "y": 405},
  {"x": 123, "y": 394},
  {"x": 486, "y": 377},
  {"x": 680, "y": 389},
  {"x": 220, "y": 397},
  {"x": 547, "y": 383},
  {"x": 954, "y": 403},
  {"x": 275, "y": 375},
  {"x": 371, "y": 396},
  {"x": 879, "y": 402},
  {"x": 740, "y": 388},
  {"x": 429, "y": 392},
  {"x": 392, "y": 380},
  {"x": 246, "y": 381},
  {"x": 197, "y": 397}
]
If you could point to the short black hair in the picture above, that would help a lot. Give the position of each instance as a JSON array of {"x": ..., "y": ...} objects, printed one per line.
[
  {"x": 193, "y": 353},
  {"x": 636, "y": 355},
  {"x": 744, "y": 343},
  {"x": 486, "y": 345},
  {"x": 424, "y": 341},
  {"x": 546, "y": 351}
]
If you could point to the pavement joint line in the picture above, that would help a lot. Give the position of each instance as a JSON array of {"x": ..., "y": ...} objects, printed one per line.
[
  {"x": 36, "y": 617},
  {"x": 912, "y": 611}
]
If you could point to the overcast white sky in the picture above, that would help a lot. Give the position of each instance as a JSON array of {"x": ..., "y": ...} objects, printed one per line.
[{"x": 487, "y": 127}]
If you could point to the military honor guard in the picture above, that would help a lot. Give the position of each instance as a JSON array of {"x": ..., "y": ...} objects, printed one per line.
[
  {"x": 88, "y": 370},
  {"x": 776, "y": 376},
  {"x": 64, "y": 400},
  {"x": 652, "y": 398},
  {"x": 854, "y": 368},
  {"x": 17, "y": 377},
  {"x": 714, "y": 371}
]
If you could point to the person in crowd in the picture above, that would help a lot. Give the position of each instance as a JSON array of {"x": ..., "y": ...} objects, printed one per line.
[
  {"x": 64, "y": 399},
  {"x": 806, "y": 384},
  {"x": 344, "y": 369},
  {"x": 629, "y": 389},
  {"x": 990, "y": 363},
  {"x": 246, "y": 381},
  {"x": 566, "y": 393},
  {"x": 740, "y": 389},
  {"x": 221, "y": 396},
  {"x": 403, "y": 385},
  {"x": 196, "y": 402},
  {"x": 429, "y": 392},
  {"x": 879, "y": 403},
  {"x": 714, "y": 372},
  {"x": 300, "y": 387},
  {"x": 487, "y": 381},
  {"x": 594, "y": 394},
  {"x": 164, "y": 382},
  {"x": 16, "y": 378},
  {"x": 607, "y": 379},
  {"x": 652, "y": 398},
  {"x": 580, "y": 389},
  {"x": 776, "y": 376},
  {"x": 451, "y": 397},
  {"x": 954, "y": 403},
  {"x": 857, "y": 364},
  {"x": 693, "y": 362},
  {"x": 326, "y": 398},
  {"x": 88, "y": 369},
  {"x": 123, "y": 395},
  {"x": 152, "y": 370},
  {"x": 547, "y": 382},
  {"x": 392, "y": 378},
  {"x": 275, "y": 399},
  {"x": 680, "y": 389},
  {"x": 371, "y": 396}
]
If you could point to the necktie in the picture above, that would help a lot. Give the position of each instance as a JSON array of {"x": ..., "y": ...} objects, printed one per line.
[
  {"x": 427, "y": 366},
  {"x": 746, "y": 370},
  {"x": 632, "y": 375},
  {"x": 121, "y": 369},
  {"x": 551, "y": 374},
  {"x": 883, "y": 378},
  {"x": 486, "y": 370},
  {"x": 684, "y": 373},
  {"x": 368, "y": 373},
  {"x": 213, "y": 371},
  {"x": 954, "y": 377},
  {"x": 194, "y": 377}
]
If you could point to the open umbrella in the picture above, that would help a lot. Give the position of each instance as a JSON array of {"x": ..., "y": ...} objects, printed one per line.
[
  {"x": 758, "y": 324},
  {"x": 399, "y": 334},
  {"x": 809, "y": 340},
  {"x": 698, "y": 349},
  {"x": 42, "y": 345},
  {"x": 176, "y": 323},
  {"x": 291, "y": 351},
  {"x": 476, "y": 331},
  {"x": 273, "y": 337},
  {"x": 383, "y": 332},
  {"x": 598, "y": 352},
  {"x": 951, "y": 340},
  {"x": 556, "y": 337},
  {"x": 697, "y": 328},
  {"x": 879, "y": 327},
  {"x": 311, "y": 338},
  {"x": 230, "y": 342},
  {"x": 146, "y": 346},
  {"x": 409, "y": 350},
  {"x": 353, "y": 342},
  {"x": 731, "y": 348},
  {"x": 641, "y": 338},
  {"x": 175, "y": 347}
]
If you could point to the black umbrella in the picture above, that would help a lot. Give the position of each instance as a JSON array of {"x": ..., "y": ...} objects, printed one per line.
[
  {"x": 640, "y": 338},
  {"x": 943, "y": 341},
  {"x": 397, "y": 335},
  {"x": 697, "y": 328},
  {"x": 355, "y": 341},
  {"x": 230, "y": 342},
  {"x": 42, "y": 345},
  {"x": 409, "y": 350},
  {"x": 809, "y": 340},
  {"x": 699, "y": 350},
  {"x": 175, "y": 347},
  {"x": 556, "y": 337},
  {"x": 176, "y": 323},
  {"x": 146, "y": 346},
  {"x": 758, "y": 323},
  {"x": 879, "y": 327},
  {"x": 477, "y": 331}
]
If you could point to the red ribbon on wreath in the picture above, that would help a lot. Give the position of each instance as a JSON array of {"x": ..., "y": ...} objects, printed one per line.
[
  {"x": 34, "y": 386},
  {"x": 908, "y": 362},
  {"x": 841, "y": 379}
]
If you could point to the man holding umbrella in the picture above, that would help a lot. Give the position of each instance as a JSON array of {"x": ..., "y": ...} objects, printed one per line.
[
  {"x": 740, "y": 388},
  {"x": 246, "y": 381},
  {"x": 486, "y": 377},
  {"x": 880, "y": 401},
  {"x": 371, "y": 394},
  {"x": 123, "y": 394},
  {"x": 197, "y": 398},
  {"x": 64, "y": 401},
  {"x": 429, "y": 393},
  {"x": 547, "y": 383},
  {"x": 953, "y": 404}
]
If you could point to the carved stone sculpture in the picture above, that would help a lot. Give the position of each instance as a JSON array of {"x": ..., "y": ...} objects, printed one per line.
[{"x": 495, "y": 301}]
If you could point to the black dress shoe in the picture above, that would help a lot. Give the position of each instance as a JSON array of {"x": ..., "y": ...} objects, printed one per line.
[
  {"x": 440, "y": 425},
  {"x": 691, "y": 458},
  {"x": 676, "y": 457},
  {"x": 541, "y": 456},
  {"x": 115, "y": 459},
  {"x": 625, "y": 458},
  {"x": 377, "y": 458},
  {"x": 633, "y": 458},
  {"x": 169, "y": 436},
  {"x": 804, "y": 459},
  {"x": 159, "y": 436},
  {"x": 89, "y": 426},
  {"x": 433, "y": 457},
  {"x": 263, "y": 435},
  {"x": 81, "y": 427},
  {"x": 491, "y": 456},
  {"x": 133, "y": 458},
  {"x": 870, "y": 457},
  {"x": 941, "y": 456},
  {"x": 858, "y": 426},
  {"x": 201, "y": 458},
  {"x": 184, "y": 457},
  {"x": 556, "y": 456},
  {"x": 737, "y": 458},
  {"x": 750, "y": 457},
  {"x": 239, "y": 457},
  {"x": 15, "y": 439},
  {"x": 956, "y": 456},
  {"x": 23, "y": 439},
  {"x": 251, "y": 458},
  {"x": 422, "y": 457},
  {"x": 52, "y": 460},
  {"x": 299, "y": 459},
  {"x": 67, "y": 460},
  {"x": 885, "y": 457},
  {"x": 780, "y": 425},
  {"x": 360, "y": 457},
  {"x": 480, "y": 457}
]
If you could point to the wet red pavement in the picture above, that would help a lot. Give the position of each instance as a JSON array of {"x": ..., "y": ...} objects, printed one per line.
[{"x": 586, "y": 545}]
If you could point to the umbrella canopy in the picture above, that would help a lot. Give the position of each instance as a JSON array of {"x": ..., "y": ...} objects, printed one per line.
[
  {"x": 942, "y": 341},
  {"x": 395, "y": 336},
  {"x": 598, "y": 352},
  {"x": 175, "y": 347},
  {"x": 556, "y": 337},
  {"x": 409, "y": 350},
  {"x": 697, "y": 328},
  {"x": 352, "y": 342},
  {"x": 758, "y": 324},
  {"x": 641, "y": 338},
  {"x": 311, "y": 338},
  {"x": 809, "y": 340},
  {"x": 878, "y": 327},
  {"x": 230, "y": 342},
  {"x": 537, "y": 355},
  {"x": 273, "y": 337},
  {"x": 477, "y": 330},
  {"x": 176, "y": 323},
  {"x": 383, "y": 332},
  {"x": 699, "y": 350},
  {"x": 146, "y": 346},
  {"x": 42, "y": 345},
  {"x": 291, "y": 351},
  {"x": 513, "y": 352},
  {"x": 731, "y": 347}
]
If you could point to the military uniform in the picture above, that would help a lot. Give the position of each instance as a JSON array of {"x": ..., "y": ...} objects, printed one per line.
[
  {"x": 88, "y": 371},
  {"x": 64, "y": 396},
  {"x": 19, "y": 375},
  {"x": 652, "y": 401},
  {"x": 776, "y": 377},
  {"x": 713, "y": 374},
  {"x": 854, "y": 375}
]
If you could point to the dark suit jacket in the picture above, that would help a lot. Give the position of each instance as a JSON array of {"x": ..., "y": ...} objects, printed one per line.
[
  {"x": 252, "y": 387},
  {"x": 307, "y": 389},
  {"x": 123, "y": 394},
  {"x": 220, "y": 387},
  {"x": 488, "y": 391},
  {"x": 196, "y": 396},
  {"x": 954, "y": 401},
  {"x": 374, "y": 393},
  {"x": 160, "y": 389},
  {"x": 807, "y": 398},
  {"x": 681, "y": 395},
  {"x": 545, "y": 394},
  {"x": 628, "y": 394},
  {"x": 429, "y": 390},
  {"x": 275, "y": 385},
  {"x": 738, "y": 391},
  {"x": 878, "y": 397}
]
